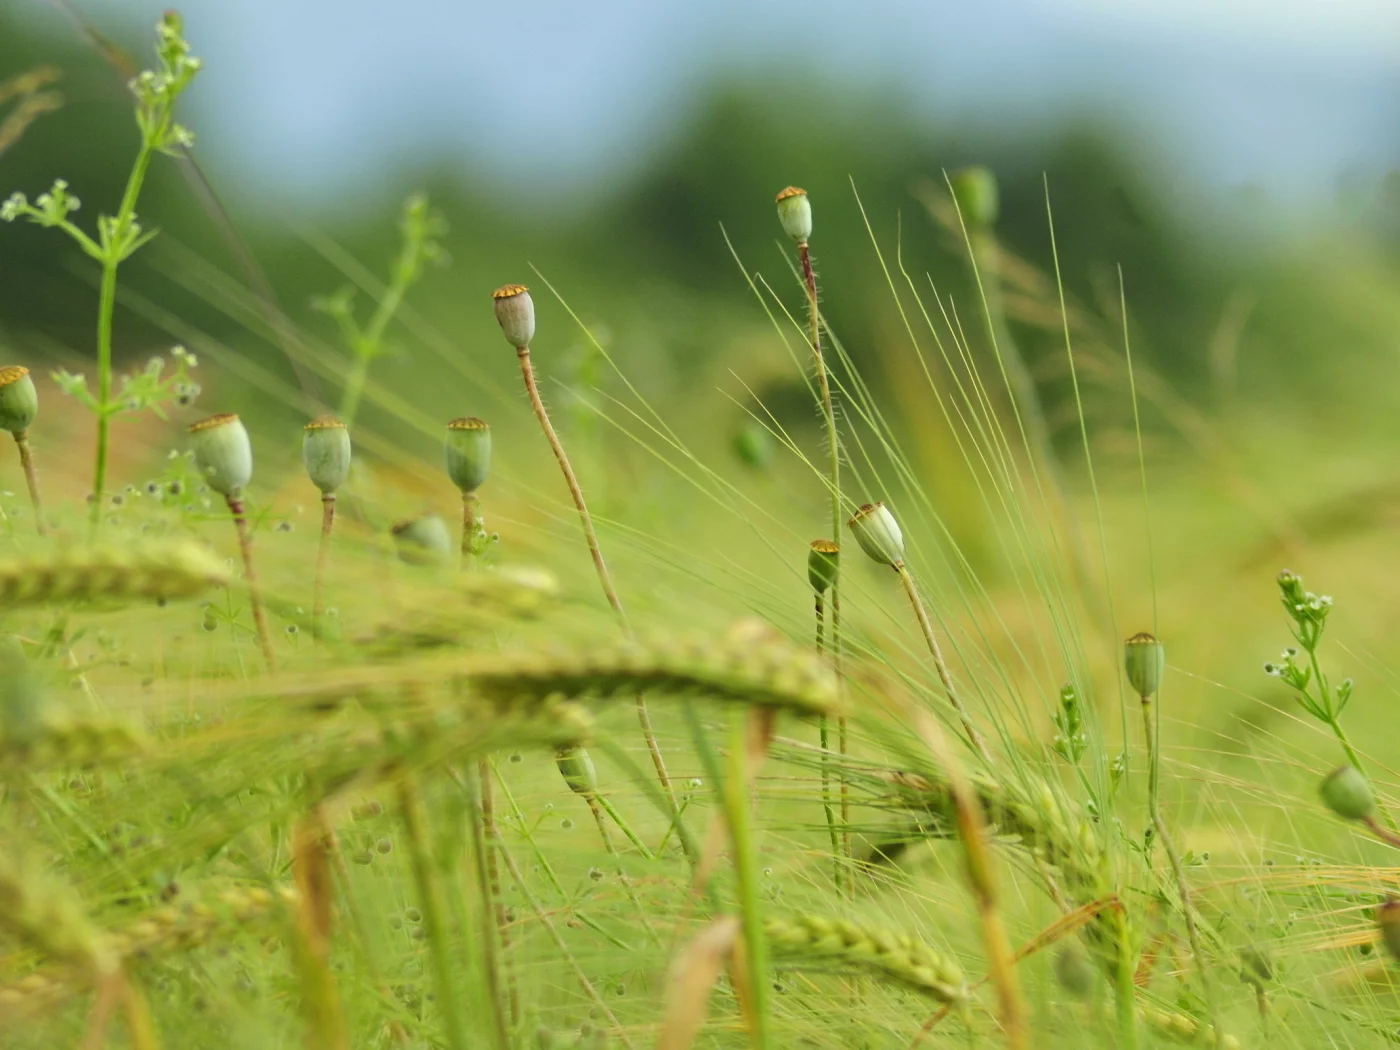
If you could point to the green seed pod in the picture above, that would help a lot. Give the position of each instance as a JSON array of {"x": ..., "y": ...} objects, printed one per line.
[
  {"x": 878, "y": 534},
  {"x": 1074, "y": 971},
  {"x": 19, "y": 401},
  {"x": 975, "y": 190},
  {"x": 1388, "y": 919},
  {"x": 325, "y": 449},
  {"x": 223, "y": 453},
  {"x": 823, "y": 565},
  {"x": 468, "y": 449},
  {"x": 515, "y": 313},
  {"x": 577, "y": 768},
  {"x": 795, "y": 213},
  {"x": 1145, "y": 660},
  {"x": 423, "y": 541},
  {"x": 1347, "y": 794}
]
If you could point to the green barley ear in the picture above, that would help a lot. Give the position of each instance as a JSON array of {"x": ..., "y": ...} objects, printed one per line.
[
  {"x": 137, "y": 571},
  {"x": 515, "y": 313},
  {"x": 823, "y": 565},
  {"x": 423, "y": 541},
  {"x": 878, "y": 534},
  {"x": 19, "y": 401},
  {"x": 978, "y": 199},
  {"x": 325, "y": 450},
  {"x": 1347, "y": 794},
  {"x": 468, "y": 452},
  {"x": 576, "y": 766},
  {"x": 1145, "y": 661},
  {"x": 795, "y": 213},
  {"x": 223, "y": 453},
  {"x": 1388, "y": 919}
]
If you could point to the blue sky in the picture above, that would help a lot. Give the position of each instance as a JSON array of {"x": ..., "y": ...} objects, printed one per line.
[{"x": 323, "y": 96}]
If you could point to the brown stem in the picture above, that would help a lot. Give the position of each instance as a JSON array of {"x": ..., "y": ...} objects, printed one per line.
[
  {"x": 527, "y": 371},
  {"x": 322, "y": 553},
  {"x": 468, "y": 528},
  {"x": 926, "y": 626},
  {"x": 245, "y": 546},
  {"x": 1382, "y": 832},
  {"x": 488, "y": 886},
  {"x": 31, "y": 479},
  {"x": 493, "y": 883}
]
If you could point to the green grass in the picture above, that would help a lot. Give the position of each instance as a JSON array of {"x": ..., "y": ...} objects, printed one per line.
[{"x": 198, "y": 851}]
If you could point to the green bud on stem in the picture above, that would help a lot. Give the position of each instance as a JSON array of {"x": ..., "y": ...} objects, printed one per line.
[
  {"x": 823, "y": 565},
  {"x": 325, "y": 449},
  {"x": 1145, "y": 661},
  {"x": 515, "y": 313},
  {"x": 468, "y": 451},
  {"x": 795, "y": 213},
  {"x": 1347, "y": 794},
  {"x": 223, "y": 453},
  {"x": 576, "y": 766},
  {"x": 878, "y": 534},
  {"x": 19, "y": 401},
  {"x": 975, "y": 191}
]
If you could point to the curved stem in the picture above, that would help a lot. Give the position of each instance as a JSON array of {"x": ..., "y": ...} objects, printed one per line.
[
  {"x": 1188, "y": 910},
  {"x": 31, "y": 479},
  {"x": 245, "y": 547},
  {"x": 926, "y": 626},
  {"x": 527, "y": 372}
]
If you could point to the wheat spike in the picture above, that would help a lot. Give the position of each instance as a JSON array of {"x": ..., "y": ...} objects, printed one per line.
[
  {"x": 134, "y": 572},
  {"x": 47, "y": 917},
  {"x": 812, "y": 939},
  {"x": 68, "y": 741}
]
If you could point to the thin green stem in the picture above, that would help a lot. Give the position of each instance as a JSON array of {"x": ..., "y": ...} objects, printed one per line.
[
  {"x": 26, "y": 460},
  {"x": 370, "y": 342},
  {"x": 468, "y": 529},
  {"x": 245, "y": 547},
  {"x": 410, "y": 809},
  {"x": 323, "y": 548},
  {"x": 1124, "y": 986},
  {"x": 736, "y": 805},
  {"x": 824, "y": 728},
  {"x": 936, "y": 651},
  {"x": 1183, "y": 887},
  {"x": 483, "y": 829},
  {"x": 606, "y": 836}
]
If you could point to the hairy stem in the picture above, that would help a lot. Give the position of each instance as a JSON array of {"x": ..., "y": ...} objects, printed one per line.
[
  {"x": 527, "y": 372},
  {"x": 1183, "y": 888},
  {"x": 824, "y": 729},
  {"x": 483, "y": 818},
  {"x": 323, "y": 549},
  {"x": 489, "y": 844},
  {"x": 31, "y": 479},
  {"x": 245, "y": 547},
  {"x": 936, "y": 651}
]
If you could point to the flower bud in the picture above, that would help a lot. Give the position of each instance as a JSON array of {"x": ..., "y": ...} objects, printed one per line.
[
  {"x": 468, "y": 450},
  {"x": 577, "y": 768},
  {"x": 423, "y": 541},
  {"x": 223, "y": 453},
  {"x": 515, "y": 313},
  {"x": 1145, "y": 660},
  {"x": 1346, "y": 793},
  {"x": 823, "y": 565},
  {"x": 325, "y": 449},
  {"x": 1388, "y": 919},
  {"x": 795, "y": 213},
  {"x": 975, "y": 190},
  {"x": 878, "y": 534},
  {"x": 19, "y": 401}
]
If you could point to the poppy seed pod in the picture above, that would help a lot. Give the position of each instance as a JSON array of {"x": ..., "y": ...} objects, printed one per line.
[
  {"x": 325, "y": 449},
  {"x": 576, "y": 766},
  {"x": 19, "y": 401},
  {"x": 423, "y": 541},
  {"x": 515, "y": 313},
  {"x": 1347, "y": 794},
  {"x": 823, "y": 565},
  {"x": 1144, "y": 660},
  {"x": 795, "y": 213},
  {"x": 223, "y": 453},
  {"x": 975, "y": 190},
  {"x": 878, "y": 534},
  {"x": 468, "y": 451},
  {"x": 1388, "y": 919}
]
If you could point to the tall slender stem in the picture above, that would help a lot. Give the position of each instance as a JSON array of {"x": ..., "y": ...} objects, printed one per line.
[
  {"x": 245, "y": 547},
  {"x": 527, "y": 371},
  {"x": 824, "y": 729},
  {"x": 736, "y": 805},
  {"x": 323, "y": 549},
  {"x": 488, "y": 885},
  {"x": 1124, "y": 986},
  {"x": 492, "y": 888},
  {"x": 26, "y": 460},
  {"x": 936, "y": 651},
  {"x": 410, "y": 809},
  {"x": 468, "y": 529},
  {"x": 1183, "y": 888}
]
